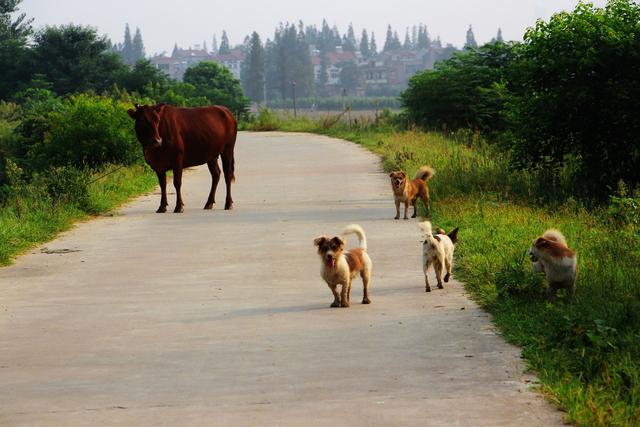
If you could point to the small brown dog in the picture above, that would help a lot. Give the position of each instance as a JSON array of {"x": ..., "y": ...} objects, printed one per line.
[
  {"x": 551, "y": 255},
  {"x": 408, "y": 191},
  {"x": 340, "y": 267}
]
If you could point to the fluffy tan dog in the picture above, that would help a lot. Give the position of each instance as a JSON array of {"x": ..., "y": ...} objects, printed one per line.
[
  {"x": 437, "y": 252},
  {"x": 551, "y": 255},
  {"x": 340, "y": 267},
  {"x": 407, "y": 191}
]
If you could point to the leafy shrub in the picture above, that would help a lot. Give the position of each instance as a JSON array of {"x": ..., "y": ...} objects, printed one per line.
[
  {"x": 81, "y": 131},
  {"x": 66, "y": 184},
  {"x": 266, "y": 120}
]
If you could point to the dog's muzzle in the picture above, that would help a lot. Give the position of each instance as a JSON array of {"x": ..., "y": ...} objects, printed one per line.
[{"x": 330, "y": 261}]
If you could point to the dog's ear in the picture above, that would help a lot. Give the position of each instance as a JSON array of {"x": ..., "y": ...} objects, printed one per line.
[
  {"x": 391, "y": 174},
  {"x": 403, "y": 174},
  {"x": 437, "y": 238},
  {"x": 453, "y": 235},
  {"x": 319, "y": 240},
  {"x": 540, "y": 242},
  {"x": 338, "y": 241}
]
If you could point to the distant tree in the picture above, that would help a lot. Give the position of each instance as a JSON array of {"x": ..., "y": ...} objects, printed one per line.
[
  {"x": 74, "y": 59},
  {"x": 137, "y": 47},
  {"x": 349, "y": 43},
  {"x": 471, "y": 39},
  {"x": 252, "y": 73},
  {"x": 424, "y": 42},
  {"x": 225, "y": 48},
  {"x": 214, "y": 45},
  {"x": 392, "y": 42},
  {"x": 365, "y": 49},
  {"x": 349, "y": 76},
  {"x": 174, "y": 52},
  {"x": 216, "y": 83},
  {"x": 140, "y": 76},
  {"x": 373, "y": 50},
  {"x": 414, "y": 36},
  {"x": 407, "y": 41},
  {"x": 127, "y": 47},
  {"x": 14, "y": 33},
  {"x": 499, "y": 37},
  {"x": 288, "y": 60}
]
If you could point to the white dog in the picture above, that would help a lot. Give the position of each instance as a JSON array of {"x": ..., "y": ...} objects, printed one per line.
[{"x": 437, "y": 251}]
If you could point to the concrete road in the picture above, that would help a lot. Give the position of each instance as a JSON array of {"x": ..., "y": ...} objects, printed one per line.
[{"x": 221, "y": 318}]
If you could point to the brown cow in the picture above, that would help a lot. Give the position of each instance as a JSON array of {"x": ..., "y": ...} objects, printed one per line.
[{"x": 176, "y": 138}]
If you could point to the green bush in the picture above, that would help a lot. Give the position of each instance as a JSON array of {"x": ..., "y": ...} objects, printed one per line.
[{"x": 81, "y": 131}]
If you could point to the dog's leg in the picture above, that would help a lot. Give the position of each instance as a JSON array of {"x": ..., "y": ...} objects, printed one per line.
[
  {"x": 366, "y": 277},
  {"x": 551, "y": 291},
  {"x": 415, "y": 208},
  {"x": 448, "y": 264},
  {"x": 438, "y": 266},
  {"x": 406, "y": 209},
  {"x": 336, "y": 296},
  {"x": 397, "y": 209},
  {"x": 425, "y": 268},
  {"x": 427, "y": 207},
  {"x": 344, "y": 297}
]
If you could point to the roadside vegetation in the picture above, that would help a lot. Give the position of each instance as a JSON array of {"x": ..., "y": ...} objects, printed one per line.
[{"x": 524, "y": 138}]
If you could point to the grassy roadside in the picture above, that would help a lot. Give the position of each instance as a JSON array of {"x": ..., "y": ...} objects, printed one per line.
[
  {"x": 30, "y": 216},
  {"x": 587, "y": 353}
]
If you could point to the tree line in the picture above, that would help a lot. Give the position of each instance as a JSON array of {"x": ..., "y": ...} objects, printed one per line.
[{"x": 563, "y": 102}]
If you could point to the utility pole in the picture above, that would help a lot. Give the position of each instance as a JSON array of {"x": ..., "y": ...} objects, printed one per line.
[{"x": 293, "y": 88}]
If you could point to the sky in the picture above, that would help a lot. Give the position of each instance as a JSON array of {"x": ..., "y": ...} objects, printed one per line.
[{"x": 190, "y": 22}]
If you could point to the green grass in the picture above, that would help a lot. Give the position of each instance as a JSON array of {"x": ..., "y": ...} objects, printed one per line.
[
  {"x": 29, "y": 216},
  {"x": 587, "y": 352}
]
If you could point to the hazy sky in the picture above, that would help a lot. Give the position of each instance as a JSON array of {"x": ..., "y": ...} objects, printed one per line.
[{"x": 190, "y": 22}]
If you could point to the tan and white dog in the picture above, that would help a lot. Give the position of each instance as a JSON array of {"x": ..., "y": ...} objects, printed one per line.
[
  {"x": 407, "y": 192},
  {"x": 437, "y": 252},
  {"x": 551, "y": 255},
  {"x": 340, "y": 267}
]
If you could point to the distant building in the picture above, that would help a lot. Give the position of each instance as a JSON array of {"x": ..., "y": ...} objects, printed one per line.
[{"x": 175, "y": 65}]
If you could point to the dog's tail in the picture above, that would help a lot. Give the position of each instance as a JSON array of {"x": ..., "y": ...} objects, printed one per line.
[
  {"x": 556, "y": 236},
  {"x": 426, "y": 228},
  {"x": 425, "y": 173},
  {"x": 358, "y": 231}
]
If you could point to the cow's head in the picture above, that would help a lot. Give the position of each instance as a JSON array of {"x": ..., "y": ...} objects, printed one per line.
[{"x": 147, "y": 123}]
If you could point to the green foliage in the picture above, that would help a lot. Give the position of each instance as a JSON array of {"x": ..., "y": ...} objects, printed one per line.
[
  {"x": 74, "y": 59},
  {"x": 216, "y": 85},
  {"x": 14, "y": 33},
  {"x": 81, "y": 131},
  {"x": 252, "y": 73},
  {"x": 576, "y": 85},
  {"x": 466, "y": 91}
]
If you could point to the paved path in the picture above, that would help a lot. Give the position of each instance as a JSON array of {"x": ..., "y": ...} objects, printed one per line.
[{"x": 221, "y": 318}]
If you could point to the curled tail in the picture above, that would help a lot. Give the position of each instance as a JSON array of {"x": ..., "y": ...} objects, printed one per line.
[
  {"x": 425, "y": 173},
  {"x": 358, "y": 231},
  {"x": 426, "y": 228},
  {"x": 556, "y": 236}
]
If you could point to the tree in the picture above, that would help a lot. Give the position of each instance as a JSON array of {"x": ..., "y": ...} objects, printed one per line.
[
  {"x": 74, "y": 59},
  {"x": 14, "y": 33},
  {"x": 349, "y": 76},
  {"x": 216, "y": 84},
  {"x": 252, "y": 73},
  {"x": 140, "y": 76},
  {"x": 137, "y": 47},
  {"x": 424, "y": 42},
  {"x": 374, "y": 47},
  {"x": 225, "y": 48},
  {"x": 407, "y": 45},
  {"x": 471, "y": 39},
  {"x": 499, "y": 38},
  {"x": 349, "y": 43},
  {"x": 127, "y": 47},
  {"x": 214, "y": 45},
  {"x": 364, "y": 44},
  {"x": 392, "y": 42}
]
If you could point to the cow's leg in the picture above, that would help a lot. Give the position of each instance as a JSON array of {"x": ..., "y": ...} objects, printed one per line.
[
  {"x": 177, "y": 183},
  {"x": 215, "y": 178},
  {"x": 162, "y": 180},
  {"x": 228, "y": 165}
]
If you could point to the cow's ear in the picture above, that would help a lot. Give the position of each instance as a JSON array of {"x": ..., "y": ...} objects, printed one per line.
[{"x": 131, "y": 113}]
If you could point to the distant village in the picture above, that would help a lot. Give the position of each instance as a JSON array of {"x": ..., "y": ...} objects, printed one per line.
[{"x": 372, "y": 72}]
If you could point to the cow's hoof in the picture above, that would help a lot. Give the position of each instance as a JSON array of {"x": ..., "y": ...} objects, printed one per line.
[
  {"x": 178, "y": 209},
  {"x": 161, "y": 209},
  {"x": 208, "y": 207},
  {"x": 397, "y": 217},
  {"x": 228, "y": 207},
  {"x": 427, "y": 289},
  {"x": 366, "y": 301}
]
